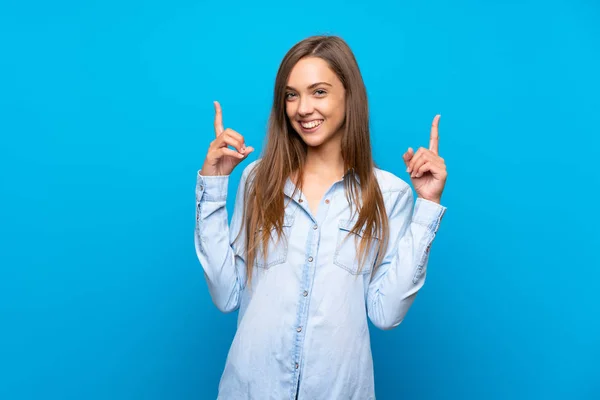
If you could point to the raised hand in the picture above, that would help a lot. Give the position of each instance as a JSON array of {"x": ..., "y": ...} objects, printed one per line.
[
  {"x": 426, "y": 168},
  {"x": 220, "y": 159}
]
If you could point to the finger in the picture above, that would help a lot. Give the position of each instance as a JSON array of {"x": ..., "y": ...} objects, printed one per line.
[
  {"x": 415, "y": 159},
  {"x": 406, "y": 158},
  {"x": 427, "y": 166},
  {"x": 225, "y": 151},
  {"x": 408, "y": 155},
  {"x": 426, "y": 157},
  {"x": 249, "y": 150},
  {"x": 438, "y": 171},
  {"x": 420, "y": 162},
  {"x": 233, "y": 142},
  {"x": 229, "y": 139},
  {"x": 434, "y": 137},
  {"x": 236, "y": 136},
  {"x": 218, "y": 118}
]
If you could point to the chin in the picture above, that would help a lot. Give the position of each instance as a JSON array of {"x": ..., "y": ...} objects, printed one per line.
[
  {"x": 313, "y": 143},
  {"x": 313, "y": 140}
]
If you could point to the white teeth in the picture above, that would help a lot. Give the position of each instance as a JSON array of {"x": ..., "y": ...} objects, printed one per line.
[{"x": 311, "y": 124}]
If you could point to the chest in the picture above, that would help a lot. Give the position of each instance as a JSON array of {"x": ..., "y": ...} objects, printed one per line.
[{"x": 314, "y": 192}]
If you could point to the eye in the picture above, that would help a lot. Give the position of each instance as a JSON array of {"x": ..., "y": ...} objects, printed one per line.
[
  {"x": 288, "y": 95},
  {"x": 320, "y": 92}
]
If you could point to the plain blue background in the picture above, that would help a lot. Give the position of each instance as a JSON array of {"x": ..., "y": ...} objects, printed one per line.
[{"x": 106, "y": 115}]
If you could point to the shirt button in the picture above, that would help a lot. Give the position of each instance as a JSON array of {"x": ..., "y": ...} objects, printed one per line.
[
  {"x": 310, "y": 259},
  {"x": 201, "y": 187},
  {"x": 300, "y": 201},
  {"x": 299, "y": 329},
  {"x": 327, "y": 201},
  {"x": 296, "y": 365},
  {"x": 315, "y": 227},
  {"x": 305, "y": 293}
]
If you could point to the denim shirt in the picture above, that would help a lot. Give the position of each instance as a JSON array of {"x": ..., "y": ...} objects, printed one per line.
[{"x": 302, "y": 328}]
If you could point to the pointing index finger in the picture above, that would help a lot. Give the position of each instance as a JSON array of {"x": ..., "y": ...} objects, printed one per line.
[
  {"x": 218, "y": 118},
  {"x": 435, "y": 137}
]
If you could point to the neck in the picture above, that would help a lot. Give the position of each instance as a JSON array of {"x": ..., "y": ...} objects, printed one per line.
[{"x": 325, "y": 161}]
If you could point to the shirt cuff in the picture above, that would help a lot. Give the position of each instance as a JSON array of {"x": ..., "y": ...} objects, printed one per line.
[
  {"x": 428, "y": 213},
  {"x": 211, "y": 188}
]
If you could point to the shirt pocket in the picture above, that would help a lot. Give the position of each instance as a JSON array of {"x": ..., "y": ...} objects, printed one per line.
[
  {"x": 277, "y": 248},
  {"x": 347, "y": 246}
]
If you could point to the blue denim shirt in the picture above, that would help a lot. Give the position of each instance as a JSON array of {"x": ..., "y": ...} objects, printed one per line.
[{"x": 302, "y": 325}]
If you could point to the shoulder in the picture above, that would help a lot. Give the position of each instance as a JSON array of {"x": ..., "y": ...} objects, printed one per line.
[
  {"x": 390, "y": 183},
  {"x": 249, "y": 169},
  {"x": 397, "y": 194}
]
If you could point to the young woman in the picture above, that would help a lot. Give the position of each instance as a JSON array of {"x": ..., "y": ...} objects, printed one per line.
[{"x": 319, "y": 237}]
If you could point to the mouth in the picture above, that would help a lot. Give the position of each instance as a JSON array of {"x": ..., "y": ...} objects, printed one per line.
[{"x": 310, "y": 126}]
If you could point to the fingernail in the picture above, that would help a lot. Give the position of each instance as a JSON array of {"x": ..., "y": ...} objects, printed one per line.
[
  {"x": 243, "y": 149},
  {"x": 408, "y": 169}
]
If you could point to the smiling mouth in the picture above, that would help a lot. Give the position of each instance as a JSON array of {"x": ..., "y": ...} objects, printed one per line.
[{"x": 311, "y": 124}]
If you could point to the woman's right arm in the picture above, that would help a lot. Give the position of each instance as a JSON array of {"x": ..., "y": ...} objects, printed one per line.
[{"x": 221, "y": 256}]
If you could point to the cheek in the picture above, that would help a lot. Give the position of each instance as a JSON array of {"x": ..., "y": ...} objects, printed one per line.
[
  {"x": 290, "y": 110},
  {"x": 336, "y": 110}
]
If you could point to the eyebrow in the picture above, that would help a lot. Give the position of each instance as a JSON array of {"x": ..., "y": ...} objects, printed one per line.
[{"x": 314, "y": 85}]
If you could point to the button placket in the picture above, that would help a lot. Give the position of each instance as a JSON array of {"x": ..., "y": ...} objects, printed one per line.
[{"x": 304, "y": 299}]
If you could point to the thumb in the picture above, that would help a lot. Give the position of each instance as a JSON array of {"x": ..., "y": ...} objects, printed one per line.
[
  {"x": 407, "y": 156},
  {"x": 249, "y": 150}
]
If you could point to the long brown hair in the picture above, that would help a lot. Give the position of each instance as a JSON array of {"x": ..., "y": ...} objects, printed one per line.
[{"x": 285, "y": 154}]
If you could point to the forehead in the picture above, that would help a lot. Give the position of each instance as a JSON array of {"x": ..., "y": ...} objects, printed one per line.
[{"x": 311, "y": 70}]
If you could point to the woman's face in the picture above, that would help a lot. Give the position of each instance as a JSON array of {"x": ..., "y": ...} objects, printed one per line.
[{"x": 315, "y": 102}]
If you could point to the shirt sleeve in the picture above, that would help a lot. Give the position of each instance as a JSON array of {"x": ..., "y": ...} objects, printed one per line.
[
  {"x": 402, "y": 272},
  {"x": 219, "y": 253}
]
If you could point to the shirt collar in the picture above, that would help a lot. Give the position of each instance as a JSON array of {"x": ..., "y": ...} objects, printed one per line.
[{"x": 289, "y": 187}]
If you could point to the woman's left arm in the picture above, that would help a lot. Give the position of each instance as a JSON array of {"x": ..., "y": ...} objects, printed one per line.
[{"x": 401, "y": 274}]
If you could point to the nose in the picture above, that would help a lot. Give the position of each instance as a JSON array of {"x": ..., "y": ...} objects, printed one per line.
[{"x": 306, "y": 106}]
